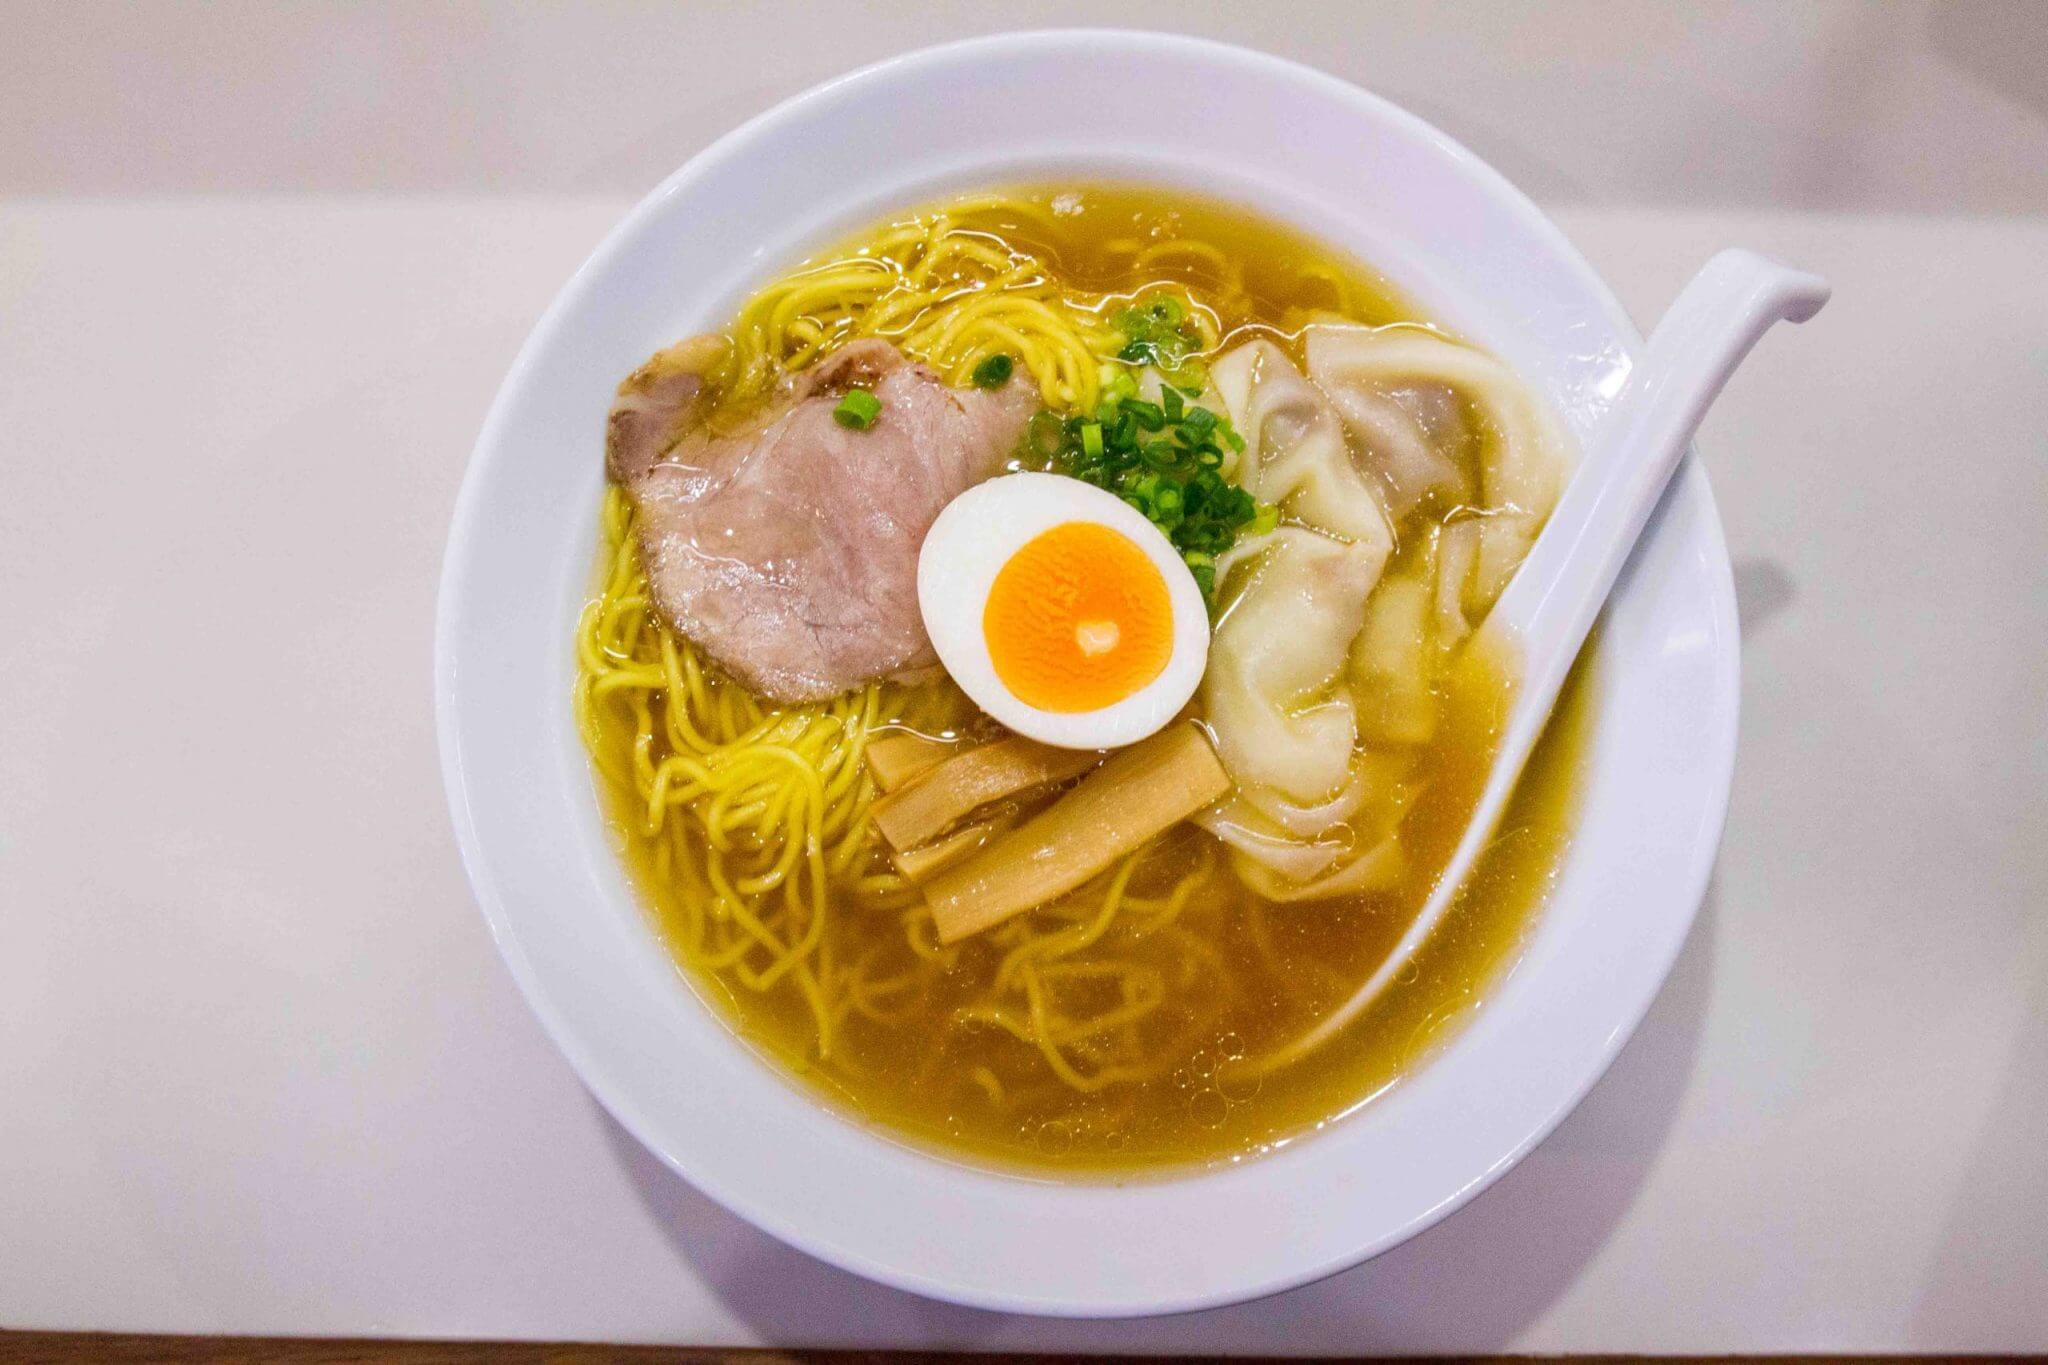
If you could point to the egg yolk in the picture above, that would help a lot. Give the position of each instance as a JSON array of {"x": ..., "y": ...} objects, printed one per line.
[{"x": 1078, "y": 619}]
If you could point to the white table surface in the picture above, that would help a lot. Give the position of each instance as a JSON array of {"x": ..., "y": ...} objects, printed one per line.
[{"x": 260, "y": 1069}]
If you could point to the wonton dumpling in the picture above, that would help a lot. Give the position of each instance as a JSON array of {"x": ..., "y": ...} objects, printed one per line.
[
  {"x": 1458, "y": 548},
  {"x": 1524, "y": 462},
  {"x": 1408, "y": 444},
  {"x": 1253, "y": 841},
  {"x": 1280, "y": 723},
  {"x": 1286, "y": 732},
  {"x": 1355, "y": 847},
  {"x": 1379, "y": 868},
  {"x": 1391, "y": 661},
  {"x": 1294, "y": 450}
]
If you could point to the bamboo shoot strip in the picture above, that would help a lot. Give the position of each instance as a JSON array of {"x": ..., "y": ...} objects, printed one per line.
[
  {"x": 923, "y": 864},
  {"x": 1138, "y": 793},
  {"x": 897, "y": 760},
  {"x": 963, "y": 784}
]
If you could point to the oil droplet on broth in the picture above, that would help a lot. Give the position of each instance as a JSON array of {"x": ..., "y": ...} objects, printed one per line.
[{"x": 1208, "y": 1108}]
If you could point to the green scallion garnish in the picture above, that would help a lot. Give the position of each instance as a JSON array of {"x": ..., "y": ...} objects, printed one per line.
[
  {"x": 1157, "y": 332},
  {"x": 1164, "y": 459},
  {"x": 858, "y": 410},
  {"x": 1146, "y": 415},
  {"x": 994, "y": 372}
]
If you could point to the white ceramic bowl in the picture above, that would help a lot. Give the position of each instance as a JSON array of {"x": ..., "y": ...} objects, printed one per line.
[{"x": 1302, "y": 147}]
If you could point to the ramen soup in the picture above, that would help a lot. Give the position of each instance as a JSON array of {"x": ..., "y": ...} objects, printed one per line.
[{"x": 1031, "y": 674}]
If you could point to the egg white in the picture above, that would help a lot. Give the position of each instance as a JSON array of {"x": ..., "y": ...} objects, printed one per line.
[{"x": 981, "y": 531}]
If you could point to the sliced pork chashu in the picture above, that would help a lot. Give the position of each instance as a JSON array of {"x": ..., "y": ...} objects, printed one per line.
[{"x": 787, "y": 549}]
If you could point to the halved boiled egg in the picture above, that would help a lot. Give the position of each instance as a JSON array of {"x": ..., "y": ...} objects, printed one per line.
[{"x": 1061, "y": 611}]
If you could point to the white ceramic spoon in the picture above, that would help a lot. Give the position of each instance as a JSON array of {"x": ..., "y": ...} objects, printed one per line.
[{"x": 1544, "y": 614}]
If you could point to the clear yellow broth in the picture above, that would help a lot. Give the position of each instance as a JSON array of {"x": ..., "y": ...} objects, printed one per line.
[{"x": 1227, "y": 976}]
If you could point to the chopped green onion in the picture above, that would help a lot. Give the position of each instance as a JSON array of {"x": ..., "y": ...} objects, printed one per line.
[
  {"x": 1164, "y": 456},
  {"x": 1146, "y": 415},
  {"x": 1159, "y": 454},
  {"x": 994, "y": 372},
  {"x": 1158, "y": 334},
  {"x": 858, "y": 410}
]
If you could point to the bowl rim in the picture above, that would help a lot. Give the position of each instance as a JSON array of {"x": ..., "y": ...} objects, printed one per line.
[{"x": 1715, "y": 782}]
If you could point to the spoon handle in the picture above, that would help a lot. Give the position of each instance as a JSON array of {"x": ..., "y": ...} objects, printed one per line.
[
  {"x": 1557, "y": 594},
  {"x": 1545, "y": 613}
]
